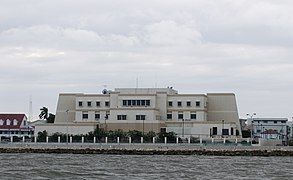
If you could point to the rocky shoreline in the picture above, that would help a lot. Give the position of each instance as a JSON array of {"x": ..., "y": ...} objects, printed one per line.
[{"x": 121, "y": 151}]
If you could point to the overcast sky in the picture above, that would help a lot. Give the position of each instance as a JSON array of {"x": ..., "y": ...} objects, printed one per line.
[{"x": 197, "y": 46}]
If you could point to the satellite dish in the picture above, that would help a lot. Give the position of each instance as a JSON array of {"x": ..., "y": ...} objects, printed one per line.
[{"x": 105, "y": 91}]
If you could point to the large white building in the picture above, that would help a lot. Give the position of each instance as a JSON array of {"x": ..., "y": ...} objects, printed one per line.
[{"x": 147, "y": 109}]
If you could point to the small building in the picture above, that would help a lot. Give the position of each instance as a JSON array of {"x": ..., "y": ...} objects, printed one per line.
[
  {"x": 15, "y": 125},
  {"x": 270, "y": 128}
]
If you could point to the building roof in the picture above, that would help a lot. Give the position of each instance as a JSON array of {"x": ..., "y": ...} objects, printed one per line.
[
  {"x": 18, "y": 117},
  {"x": 270, "y": 119}
]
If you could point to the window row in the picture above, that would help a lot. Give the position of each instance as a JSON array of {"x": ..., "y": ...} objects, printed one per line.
[
  {"x": 188, "y": 103},
  {"x": 8, "y": 122},
  {"x": 90, "y": 103},
  {"x": 136, "y": 103},
  {"x": 119, "y": 117},
  {"x": 180, "y": 116},
  {"x": 16, "y": 132}
]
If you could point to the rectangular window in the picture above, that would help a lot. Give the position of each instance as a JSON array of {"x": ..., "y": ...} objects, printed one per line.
[
  {"x": 180, "y": 116},
  {"x": 133, "y": 102},
  {"x": 265, "y": 121},
  {"x": 138, "y": 102},
  {"x": 179, "y": 103},
  {"x": 121, "y": 117},
  {"x": 143, "y": 102},
  {"x": 140, "y": 117},
  {"x": 124, "y": 102},
  {"x": 97, "y": 116},
  {"x": 128, "y": 102},
  {"x": 98, "y": 104},
  {"x": 89, "y": 104},
  {"x": 197, "y": 103},
  {"x": 148, "y": 102},
  {"x": 275, "y": 122},
  {"x": 188, "y": 103},
  {"x": 192, "y": 116},
  {"x": 170, "y": 103},
  {"x": 80, "y": 103},
  {"x": 107, "y": 103},
  {"x": 169, "y": 116},
  {"x": 85, "y": 115}
]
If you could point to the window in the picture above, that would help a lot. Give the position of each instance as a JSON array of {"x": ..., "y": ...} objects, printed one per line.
[
  {"x": 170, "y": 103},
  {"x": 14, "y": 122},
  {"x": 85, "y": 115},
  {"x": 124, "y": 102},
  {"x": 188, "y": 103},
  {"x": 128, "y": 102},
  {"x": 133, "y": 102},
  {"x": 265, "y": 121},
  {"x": 89, "y": 104},
  {"x": 107, "y": 103},
  {"x": 169, "y": 116},
  {"x": 148, "y": 102},
  {"x": 192, "y": 116},
  {"x": 98, "y": 103},
  {"x": 197, "y": 103},
  {"x": 179, "y": 103},
  {"x": 143, "y": 102},
  {"x": 121, "y": 117},
  {"x": 138, "y": 102},
  {"x": 97, "y": 116},
  {"x": 225, "y": 131},
  {"x": 283, "y": 121},
  {"x": 1, "y": 122},
  {"x": 275, "y": 122},
  {"x": 80, "y": 103},
  {"x": 180, "y": 116},
  {"x": 8, "y": 122},
  {"x": 140, "y": 117}
]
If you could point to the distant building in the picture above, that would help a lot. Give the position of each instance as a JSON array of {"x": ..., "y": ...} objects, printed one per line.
[
  {"x": 270, "y": 128},
  {"x": 14, "y": 125},
  {"x": 147, "y": 109}
]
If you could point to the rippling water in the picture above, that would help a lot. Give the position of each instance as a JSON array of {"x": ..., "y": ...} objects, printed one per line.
[{"x": 72, "y": 166}]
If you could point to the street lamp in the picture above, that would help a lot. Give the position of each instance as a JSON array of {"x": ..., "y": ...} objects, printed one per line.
[
  {"x": 251, "y": 117},
  {"x": 182, "y": 127},
  {"x": 223, "y": 122},
  {"x": 67, "y": 126},
  {"x": 142, "y": 126}
]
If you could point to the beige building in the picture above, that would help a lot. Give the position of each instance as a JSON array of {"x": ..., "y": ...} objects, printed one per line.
[{"x": 147, "y": 109}]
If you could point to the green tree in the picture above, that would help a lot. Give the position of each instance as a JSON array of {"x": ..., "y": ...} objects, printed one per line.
[{"x": 44, "y": 114}]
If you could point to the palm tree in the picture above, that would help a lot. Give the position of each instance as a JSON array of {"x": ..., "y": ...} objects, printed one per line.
[{"x": 44, "y": 113}]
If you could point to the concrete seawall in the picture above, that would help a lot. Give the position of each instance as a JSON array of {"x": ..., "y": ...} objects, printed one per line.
[{"x": 137, "y": 149}]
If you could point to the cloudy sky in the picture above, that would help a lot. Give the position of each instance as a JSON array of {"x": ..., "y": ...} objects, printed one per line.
[{"x": 196, "y": 46}]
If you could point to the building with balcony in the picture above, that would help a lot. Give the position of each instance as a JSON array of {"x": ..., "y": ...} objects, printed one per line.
[
  {"x": 147, "y": 109},
  {"x": 15, "y": 125}
]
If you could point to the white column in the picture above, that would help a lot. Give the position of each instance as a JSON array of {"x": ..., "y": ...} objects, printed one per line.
[
  {"x": 82, "y": 139},
  {"x": 95, "y": 139},
  {"x": 200, "y": 140},
  {"x": 165, "y": 140},
  {"x": 154, "y": 140},
  {"x": 35, "y": 138},
  {"x": 106, "y": 140},
  {"x": 247, "y": 140},
  {"x": 129, "y": 139},
  {"x": 47, "y": 139},
  {"x": 188, "y": 140},
  {"x": 177, "y": 140},
  {"x": 11, "y": 138},
  {"x": 212, "y": 140},
  {"x": 59, "y": 139},
  {"x": 236, "y": 140},
  {"x": 141, "y": 139},
  {"x": 23, "y": 138},
  {"x": 70, "y": 139},
  {"x": 224, "y": 140},
  {"x": 118, "y": 140}
]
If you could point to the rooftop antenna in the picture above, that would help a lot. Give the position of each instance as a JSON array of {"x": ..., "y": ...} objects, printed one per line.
[{"x": 30, "y": 113}]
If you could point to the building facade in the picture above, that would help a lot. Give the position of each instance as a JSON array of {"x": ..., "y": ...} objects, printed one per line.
[
  {"x": 15, "y": 125},
  {"x": 147, "y": 109},
  {"x": 270, "y": 128}
]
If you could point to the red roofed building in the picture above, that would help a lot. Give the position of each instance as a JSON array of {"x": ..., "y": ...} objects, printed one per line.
[{"x": 14, "y": 125}]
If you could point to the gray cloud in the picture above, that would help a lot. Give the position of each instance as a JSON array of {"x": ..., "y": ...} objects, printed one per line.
[{"x": 48, "y": 47}]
